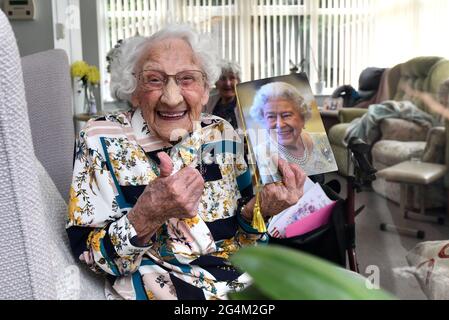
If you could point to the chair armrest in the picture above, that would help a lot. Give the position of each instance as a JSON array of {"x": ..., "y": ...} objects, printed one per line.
[
  {"x": 348, "y": 114},
  {"x": 403, "y": 130},
  {"x": 435, "y": 145}
]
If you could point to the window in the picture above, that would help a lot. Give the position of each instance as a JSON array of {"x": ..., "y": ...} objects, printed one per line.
[{"x": 331, "y": 40}]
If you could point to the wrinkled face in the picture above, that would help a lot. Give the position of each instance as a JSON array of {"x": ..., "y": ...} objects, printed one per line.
[
  {"x": 284, "y": 121},
  {"x": 171, "y": 110},
  {"x": 225, "y": 85}
]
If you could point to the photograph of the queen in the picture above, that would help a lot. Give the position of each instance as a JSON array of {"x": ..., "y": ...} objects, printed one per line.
[{"x": 282, "y": 116}]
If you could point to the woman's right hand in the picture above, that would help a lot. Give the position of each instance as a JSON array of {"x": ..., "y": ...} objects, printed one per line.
[{"x": 168, "y": 196}]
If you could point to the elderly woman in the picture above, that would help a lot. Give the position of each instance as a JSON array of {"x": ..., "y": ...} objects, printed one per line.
[
  {"x": 158, "y": 202},
  {"x": 223, "y": 102},
  {"x": 281, "y": 109}
]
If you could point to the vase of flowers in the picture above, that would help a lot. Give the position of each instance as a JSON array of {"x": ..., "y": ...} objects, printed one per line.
[{"x": 89, "y": 77}]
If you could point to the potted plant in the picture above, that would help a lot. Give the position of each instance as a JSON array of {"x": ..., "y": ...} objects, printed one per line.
[{"x": 287, "y": 274}]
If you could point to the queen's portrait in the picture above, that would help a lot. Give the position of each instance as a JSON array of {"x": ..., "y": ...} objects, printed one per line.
[{"x": 282, "y": 112}]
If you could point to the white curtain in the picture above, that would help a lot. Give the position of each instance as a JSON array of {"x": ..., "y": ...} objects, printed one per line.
[
  {"x": 331, "y": 40},
  {"x": 409, "y": 28}
]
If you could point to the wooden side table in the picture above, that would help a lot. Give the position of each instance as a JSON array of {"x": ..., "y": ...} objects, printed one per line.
[
  {"x": 320, "y": 99},
  {"x": 86, "y": 117}
]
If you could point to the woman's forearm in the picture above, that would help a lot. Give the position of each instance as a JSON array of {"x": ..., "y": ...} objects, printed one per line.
[{"x": 145, "y": 229}]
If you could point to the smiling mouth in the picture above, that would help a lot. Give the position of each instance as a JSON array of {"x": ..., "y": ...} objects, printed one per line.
[
  {"x": 284, "y": 133},
  {"x": 171, "y": 116}
]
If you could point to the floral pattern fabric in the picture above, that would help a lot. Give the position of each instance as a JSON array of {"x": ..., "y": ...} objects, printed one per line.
[{"x": 186, "y": 258}]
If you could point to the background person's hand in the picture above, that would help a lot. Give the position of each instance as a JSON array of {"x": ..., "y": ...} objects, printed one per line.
[
  {"x": 168, "y": 196},
  {"x": 278, "y": 196},
  {"x": 427, "y": 98}
]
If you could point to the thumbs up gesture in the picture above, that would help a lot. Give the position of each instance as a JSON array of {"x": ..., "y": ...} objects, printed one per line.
[
  {"x": 169, "y": 196},
  {"x": 166, "y": 165}
]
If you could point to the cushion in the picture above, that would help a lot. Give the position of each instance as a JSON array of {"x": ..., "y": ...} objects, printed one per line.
[
  {"x": 73, "y": 280},
  {"x": 402, "y": 130},
  {"x": 429, "y": 262},
  {"x": 391, "y": 152},
  {"x": 414, "y": 172}
]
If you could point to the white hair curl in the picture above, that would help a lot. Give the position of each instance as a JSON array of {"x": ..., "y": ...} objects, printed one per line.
[
  {"x": 230, "y": 66},
  {"x": 279, "y": 90},
  {"x": 124, "y": 83}
]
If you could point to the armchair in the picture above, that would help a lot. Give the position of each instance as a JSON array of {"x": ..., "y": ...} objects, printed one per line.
[
  {"x": 402, "y": 140},
  {"x": 36, "y": 127},
  {"x": 336, "y": 137}
]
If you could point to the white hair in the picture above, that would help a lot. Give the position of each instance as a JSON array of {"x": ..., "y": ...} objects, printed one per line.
[
  {"x": 124, "y": 83},
  {"x": 278, "y": 90},
  {"x": 230, "y": 66}
]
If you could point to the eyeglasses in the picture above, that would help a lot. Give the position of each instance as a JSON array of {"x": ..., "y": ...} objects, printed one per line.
[{"x": 151, "y": 80}]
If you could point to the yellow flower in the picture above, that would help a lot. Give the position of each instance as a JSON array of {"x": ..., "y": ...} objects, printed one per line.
[
  {"x": 193, "y": 221},
  {"x": 93, "y": 75},
  {"x": 221, "y": 254},
  {"x": 150, "y": 295},
  {"x": 151, "y": 175},
  {"x": 137, "y": 153},
  {"x": 186, "y": 156},
  {"x": 79, "y": 69},
  {"x": 226, "y": 170},
  {"x": 73, "y": 205},
  {"x": 226, "y": 204},
  {"x": 95, "y": 239},
  {"x": 241, "y": 167},
  {"x": 245, "y": 240},
  {"x": 114, "y": 240},
  {"x": 78, "y": 221},
  {"x": 227, "y": 248},
  {"x": 229, "y": 245},
  {"x": 115, "y": 164}
]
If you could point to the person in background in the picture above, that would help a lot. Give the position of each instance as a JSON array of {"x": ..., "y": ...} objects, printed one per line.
[
  {"x": 223, "y": 102},
  {"x": 438, "y": 105}
]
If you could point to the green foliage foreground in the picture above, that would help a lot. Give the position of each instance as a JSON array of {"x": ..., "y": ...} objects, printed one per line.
[{"x": 282, "y": 273}]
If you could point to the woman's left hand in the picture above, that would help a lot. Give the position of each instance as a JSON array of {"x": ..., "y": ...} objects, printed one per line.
[{"x": 278, "y": 196}]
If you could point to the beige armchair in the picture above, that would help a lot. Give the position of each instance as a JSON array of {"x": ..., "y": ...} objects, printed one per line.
[{"x": 401, "y": 140}]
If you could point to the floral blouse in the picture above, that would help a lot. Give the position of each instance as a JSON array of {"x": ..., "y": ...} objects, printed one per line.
[{"x": 186, "y": 258}]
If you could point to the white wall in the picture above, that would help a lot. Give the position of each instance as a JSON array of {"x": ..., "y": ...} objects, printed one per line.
[
  {"x": 35, "y": 35},
  {"x": 89, "y": 34}
]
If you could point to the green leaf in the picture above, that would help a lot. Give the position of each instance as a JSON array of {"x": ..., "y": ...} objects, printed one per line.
[{"x": 282, "y": 273}]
